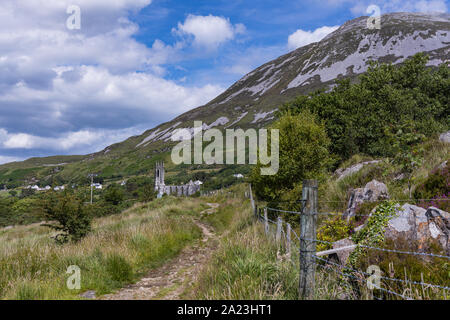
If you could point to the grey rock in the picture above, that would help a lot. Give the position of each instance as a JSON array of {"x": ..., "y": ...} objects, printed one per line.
[
  {"x": 343, "y": 254},
  {"x": 373, "y": 191},
  {"x": 401, "y": 176},
  {"x": 442, "y": 165},
  {"x": 445, "y": 137},
  {"x": 344, "y": 172},
  {"x": 90, "y": 294},
  {"x": 418, "y": 226}
]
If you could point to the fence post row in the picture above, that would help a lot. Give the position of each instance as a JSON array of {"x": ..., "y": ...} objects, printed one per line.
[
  {"x": 279, "y": 226},
  {"x": 308, "y": 220},
  {"x": 288, "y": 239},
  {"x": 266, "y": 222}
]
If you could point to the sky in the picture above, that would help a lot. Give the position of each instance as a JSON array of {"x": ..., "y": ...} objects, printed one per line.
[{"x": 75, "y": 83}]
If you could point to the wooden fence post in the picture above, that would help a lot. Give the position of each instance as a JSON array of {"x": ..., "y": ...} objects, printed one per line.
[
  {"x": 266, "y": 222},
  {"x": 308, "y": 220},
  {"x": 288, "y": 239},
  {"x": 279, "y": 226}
]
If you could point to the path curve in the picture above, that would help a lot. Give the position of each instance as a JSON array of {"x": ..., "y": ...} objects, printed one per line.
[{"x": 174, "y": 279}]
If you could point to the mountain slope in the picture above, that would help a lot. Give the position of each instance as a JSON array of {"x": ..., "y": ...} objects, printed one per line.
[
  {"x": 344, "y": 53},
  {"x": 252, "y": 100}
]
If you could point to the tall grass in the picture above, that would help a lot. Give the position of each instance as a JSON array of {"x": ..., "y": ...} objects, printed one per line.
[{"x": 120, "y": 249}]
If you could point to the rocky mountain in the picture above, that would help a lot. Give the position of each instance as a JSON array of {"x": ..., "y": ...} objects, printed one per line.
[
  {"x": 252, "y": 101},
  {"x": 346, "y": 52}
]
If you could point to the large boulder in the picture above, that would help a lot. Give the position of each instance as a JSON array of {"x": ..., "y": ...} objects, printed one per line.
[
  {"x": 373, "y": 191},
  {"x": 342, "y": 255},
  {"x": 418, "y": 226},
  {"x": 445, "y": 137}
]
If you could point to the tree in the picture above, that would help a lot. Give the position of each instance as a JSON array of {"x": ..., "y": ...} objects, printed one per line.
[
  {"x": 70, "y": 215},
  {"x": 147, "y": 193},
  {"x": 114, "y": 194},
  {"x": 303, "y": 147}
]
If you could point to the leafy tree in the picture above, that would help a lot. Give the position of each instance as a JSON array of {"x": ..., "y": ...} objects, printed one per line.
[
  {"x": 7, "y": 216},
  {"x": 114, "y": 194},
  {"x": 147, "y": 193},
  {"x": 70, "y": 215},
  {"x": 27, "y": 193},
  {"x": 303, "y": 151}
]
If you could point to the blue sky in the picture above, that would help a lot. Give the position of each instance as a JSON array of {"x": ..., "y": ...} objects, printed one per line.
[{"x": 136, "y": 63}]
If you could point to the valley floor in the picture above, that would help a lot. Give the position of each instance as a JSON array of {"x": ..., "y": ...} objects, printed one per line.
[{"x": 172, "y": 248}]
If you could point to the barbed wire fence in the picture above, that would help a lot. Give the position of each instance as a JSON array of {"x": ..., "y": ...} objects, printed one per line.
[{"x": 307, "y": 241}]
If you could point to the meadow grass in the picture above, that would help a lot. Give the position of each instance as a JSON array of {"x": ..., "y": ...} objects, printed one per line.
[{"x": 120, "y": 250}]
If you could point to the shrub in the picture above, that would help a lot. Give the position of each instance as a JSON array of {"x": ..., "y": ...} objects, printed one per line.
[
  {"x": 333, "y": 229},
  {"x": 147, "y": 193},
  {"x": 114, "y": 194},
  {"x": 303, "y": 154},
  {"x": 70, "y": 214},
  {"x": 436, "y": 186},
  {"x": 373, "y": 232}
]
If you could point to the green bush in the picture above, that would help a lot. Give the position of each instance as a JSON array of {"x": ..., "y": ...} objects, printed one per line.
[
  {"x": 71, "y": 216},
  {"x": 303, "y": 154},
  {"x": 114, "y": 194},
  {"x": 333, "y": 229},
  {"x": 437, "y": 184}
]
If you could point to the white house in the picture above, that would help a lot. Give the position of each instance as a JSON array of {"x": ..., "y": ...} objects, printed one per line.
[{"x": 97, "y": 186}]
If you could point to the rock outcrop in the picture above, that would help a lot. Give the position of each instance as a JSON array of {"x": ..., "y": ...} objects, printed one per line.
[
  {"x": 342, "y": 255},
  {"x": 418, "y": 226},
  {"x": 445, "y": 137},
  {"x": 344, "y": 172},
  {"x": 373, "y": 191}
]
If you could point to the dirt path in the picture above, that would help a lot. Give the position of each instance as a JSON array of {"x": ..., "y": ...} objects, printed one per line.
[{"x": 172, "y": 280}]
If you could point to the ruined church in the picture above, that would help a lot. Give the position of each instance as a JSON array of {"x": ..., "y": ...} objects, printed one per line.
[{"x": 182, "y": 190}]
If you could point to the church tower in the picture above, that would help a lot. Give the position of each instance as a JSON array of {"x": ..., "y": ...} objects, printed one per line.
[{"x": 159, "y": 177}]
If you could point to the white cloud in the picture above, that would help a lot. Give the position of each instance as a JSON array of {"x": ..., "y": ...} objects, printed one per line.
[
  {"x": 302, "y": 38},
  {"x": 92, "y": 139},
  {"x": 209, "y": 31},
  {"x": 76, "y": 90},
  {"x": 7, "y": 159}
]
